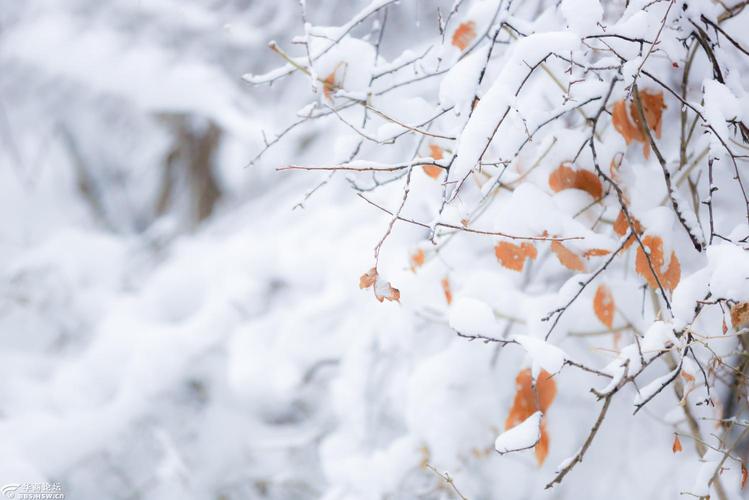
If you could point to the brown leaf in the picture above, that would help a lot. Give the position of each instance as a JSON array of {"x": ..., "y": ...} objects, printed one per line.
[
  {"x": 624, "y": 125},
  {"x": 629, "y": 124},
  {"x": 687, "y": 376},
  {"x": 740, "y": 315},
  {"x": 744, "y": 475},
  {"x": 435, "y": 152},
  {"x": 621, "y": 227},
  {"x": 368, "y": 279},
  {"x": 595, "y": 252},
  {"x": 417, "y": 259},
  {"x": 676, "y": 447},
  {"x": 603, "y": 305},
  {"x": 464, "y": 34},
  {"x": 446, "y": 289},
  {"x": 652, "y": 107},
  {"x": 567, "y": 257},
  {"x": 432, "y": 171},
  {"x": 527, "y": 402},
  {"x": 329, "y": 85},
  {"x": 513, "y": 256},
  {"x": 668, "y": 278},
  {"x": 562, "y": 177},
  {"x": 566, "y": 177},
  {"x": 383, "y": 290}
]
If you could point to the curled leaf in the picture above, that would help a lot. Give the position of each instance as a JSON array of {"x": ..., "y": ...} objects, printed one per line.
[
  {"x": 740, "y": 315},
  {"x": 567, "y": 257},
  {"x": 513, "y": 256},
  {"x": 603, "y": 305},
  {"x": 383, "y": 290},
  {"x": 368, "y": 279}
]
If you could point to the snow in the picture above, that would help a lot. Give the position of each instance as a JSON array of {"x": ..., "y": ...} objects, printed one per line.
[
  {"x": 521, "y": 437},
  {"x": 582, "y": 16},
  {"x": 472, "y": 317},
  {"x": 547, "y": 356}
]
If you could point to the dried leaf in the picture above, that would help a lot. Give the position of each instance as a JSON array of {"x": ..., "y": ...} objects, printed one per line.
[
  {"x": 740, "y": 315},
  {"x": 621, "y": 227},
  {"x": 629, "y": 124},
  {"x": 329, "y": 85},
  {"x": 417, "y": 259},
  {"x": 624, "y": 125},
  {"x": 464, "y": 34},
  {"x": 668, "y": 278},
  {"x": 368, "y": 279},
  {"x": 435, "y": 152},
  {"x": 527, "y": 402},
  {"x": 566, "y": 177},
  {"x": 652, "y": 107},
  {"x": 446, "y": 289},
  {"x": 676, "y": 447},
  {"x": 513, "y": 256},
  {"x": 595, "y": 252},
  {"x": 383, "y": 290},
  {"x": 567, "y": 257},
  {"x": 744, "y": 475},
  {"x": 687, "y": 376},
  {"x": 603, "y": 305},
  {"x": 432, "y": 171},
  {"x": 563, "y": 177}
]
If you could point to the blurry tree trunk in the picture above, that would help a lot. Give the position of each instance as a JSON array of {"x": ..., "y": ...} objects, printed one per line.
[{"x": 188, "y": 179}]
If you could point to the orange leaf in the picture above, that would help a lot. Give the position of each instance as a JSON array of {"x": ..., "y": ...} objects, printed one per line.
[
  {"x": 676, "y": 447},
  {"x": 743, "y": 475},
  {"x": 513, "y": 256},
  {"x": 603, "y": 305},
  {"x": 652, "y": 107},
  {"x": 383, "y": 290},
  {"x": 432, "y": 171},
  {"x": 624, "y": 125},
  {"x": 527, "y": 402},
  {"x": 621, "y": 227},
  {"x": 567, "y": 257},
  {"x": 631, "y": 128},
  {"x": 368, "y": 279},
  {"x": 668, "y": 278},
  {"x": 565, "y": 177},
  {"x": 417, "y": 259},
  {"x": 435, "y": 152},
  {"x": 595, "y": 252},
  {"x": 446, "y": 289},
  {"x": 464, "y": 34},
  {"x": 329, "y": 85}
]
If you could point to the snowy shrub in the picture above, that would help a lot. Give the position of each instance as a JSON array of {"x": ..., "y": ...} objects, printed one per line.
[{"x": 569, "y": 181}]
